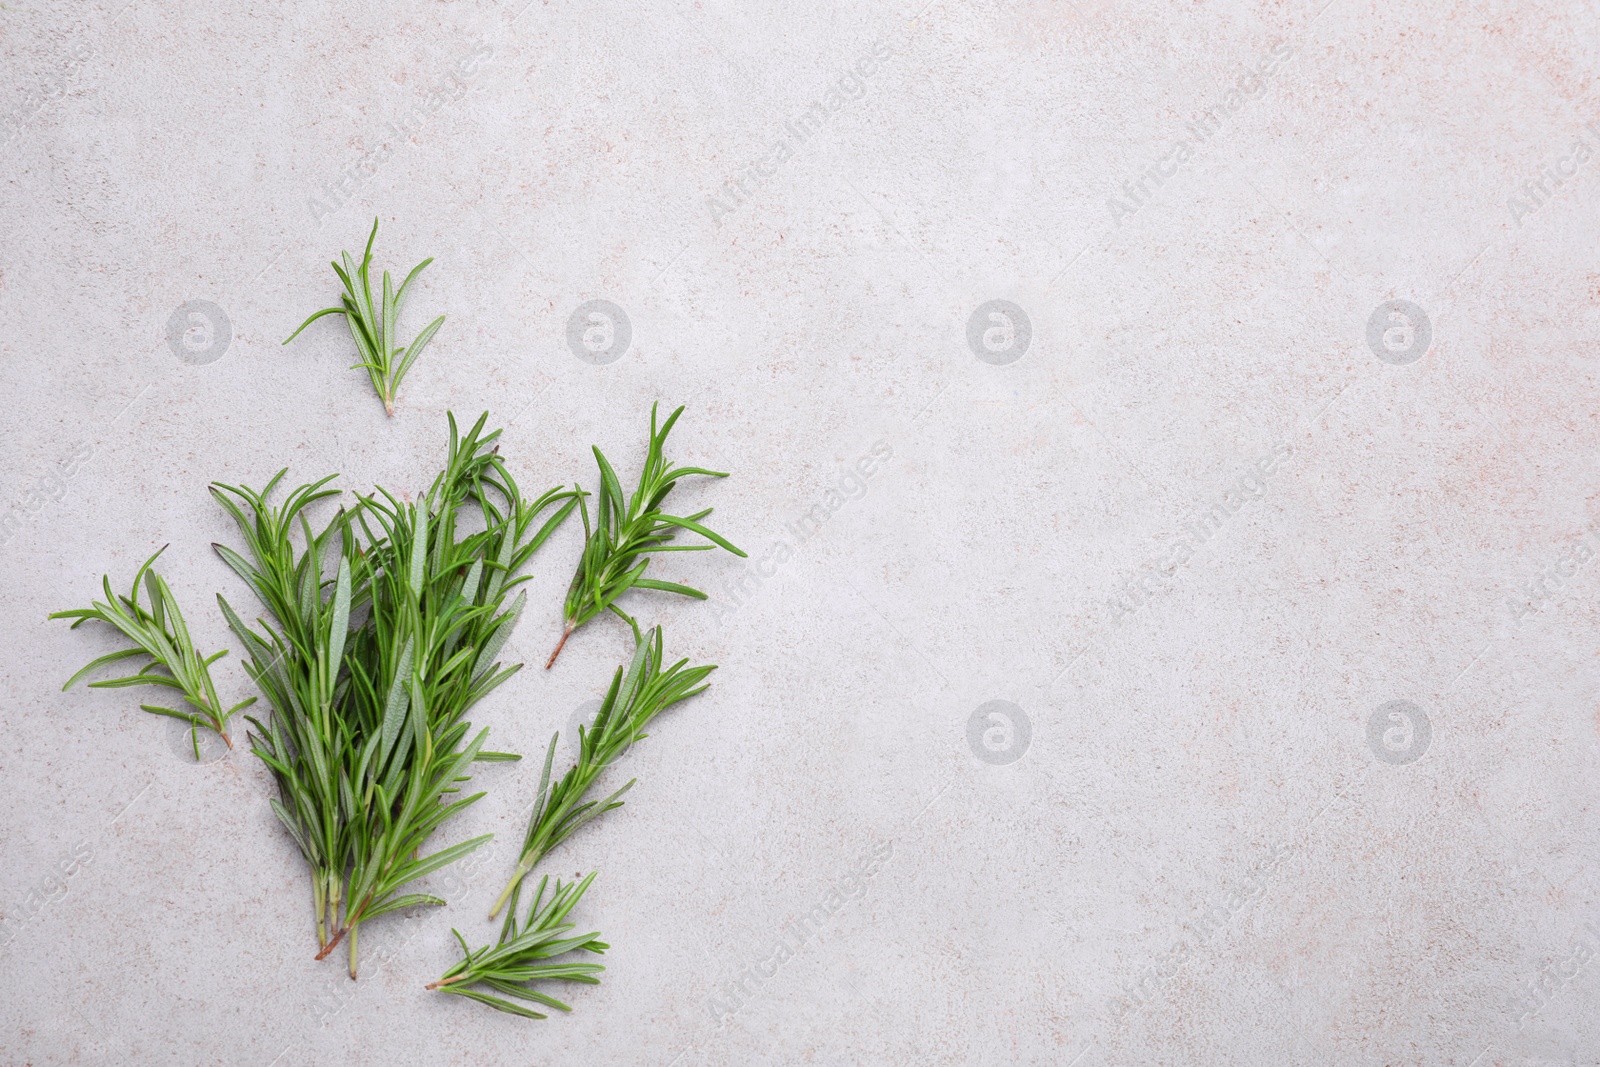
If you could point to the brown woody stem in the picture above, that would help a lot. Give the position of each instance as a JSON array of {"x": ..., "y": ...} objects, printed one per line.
[{"x": 566, "y": 633}]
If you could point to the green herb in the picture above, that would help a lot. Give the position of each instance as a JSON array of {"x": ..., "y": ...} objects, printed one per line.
[
  {"x": 373, "y": 326},
  {"x": 520, "y": 958},
  {"x": 370, "y": 680},
  {"x": 617, "y": 548},
  {"x": 158, "y": 631},
  {"x": 296, "y": 665},
  {"x": 632, "y": 701}
]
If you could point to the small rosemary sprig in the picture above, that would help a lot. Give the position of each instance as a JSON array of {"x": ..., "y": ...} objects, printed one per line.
[
  {"x": 158, "y": 631},
  {"x": 617, "y": 547},
  {"x": 632, "y": 701},
  {"x": 522, "y": 954},
  {"x": 373, "y": 327}
]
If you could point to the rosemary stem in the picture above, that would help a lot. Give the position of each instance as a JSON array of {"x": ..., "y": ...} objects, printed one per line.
[
  {"x": 319, "y": 903},
  {"x": 331, "y": 945},
  {"x": 521, "y": 872},
  {"x": 333, "y": 916},
  {"x": 354, "y": 930},
  {"x": 565, "y": 633}
]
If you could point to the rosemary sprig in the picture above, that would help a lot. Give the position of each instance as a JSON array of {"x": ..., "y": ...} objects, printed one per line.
[
  {"x": 373, "y": 327},
  {"x": 617, "y": 547},
  {"x": 633, "y": 700},
  {"x": 158, "y": 631},
  {"x": 368, "y": 739},
  {"x": 521, "y": 957}
]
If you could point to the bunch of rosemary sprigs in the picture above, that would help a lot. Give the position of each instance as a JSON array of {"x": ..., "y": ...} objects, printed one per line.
[
  {"x": 380, "y": 629},
  {"x": 381, "y": 633}
]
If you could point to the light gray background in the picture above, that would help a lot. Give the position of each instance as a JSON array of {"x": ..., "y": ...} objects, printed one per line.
[{"x": 1427, "y": 534}]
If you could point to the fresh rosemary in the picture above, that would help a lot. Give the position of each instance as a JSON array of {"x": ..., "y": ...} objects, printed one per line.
[
  {"x": 633, "y": 700},
  {"x": 373, "y": 326},
  {"x": 368, "y": 739},
  {"x": 626, "y": 531},
  {"x": 523, "y": 954},
  {"x": 158, "y": 631}
]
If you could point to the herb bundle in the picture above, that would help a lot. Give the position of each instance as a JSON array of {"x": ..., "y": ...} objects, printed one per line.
[
  {"x": 627, "y": 530},
  {"x": 373, "y": 326},
  {"x": 368, "y": 738},
  {"x": 633, "y": 700},
  {"x": 522, "y": 955},
  {"x": 158, "y": 631},
  {"x": 382, "y": 630}
]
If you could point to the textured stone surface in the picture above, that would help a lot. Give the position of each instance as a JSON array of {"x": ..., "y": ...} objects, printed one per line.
[{"x": 1199, "y": 829}]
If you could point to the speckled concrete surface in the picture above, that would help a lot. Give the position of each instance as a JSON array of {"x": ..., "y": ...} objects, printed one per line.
[{"x": 1165, "y": 438}]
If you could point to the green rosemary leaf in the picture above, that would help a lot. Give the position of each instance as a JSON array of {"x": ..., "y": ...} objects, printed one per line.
[
  {"x": 443, "y": 857},
  {"x": 137, "y": 679},
  {"x": 399, "y": 701},
  {"x": 669, "y": 587},
  {"x": 340, "y": 628},
  {"x": 110, "y": 657},
  {"x": 714, "y": 538},
  {"x": 409, "y": 900},
  {"x": 499, "y": 636},
  {"x": 415, "y": 349}
]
